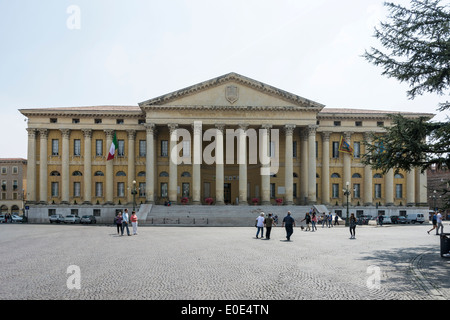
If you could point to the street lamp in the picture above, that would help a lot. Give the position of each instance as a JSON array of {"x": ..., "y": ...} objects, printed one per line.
[
  {"x": 134, "y": 192},
  {"x": 347, "y": 194},
  {"x": 434, "y": 200}
]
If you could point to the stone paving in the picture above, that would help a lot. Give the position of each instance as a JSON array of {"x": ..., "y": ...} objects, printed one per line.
[{"x": 221, "y": 263}]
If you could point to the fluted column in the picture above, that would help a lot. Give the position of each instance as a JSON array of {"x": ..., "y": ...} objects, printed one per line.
[
  {"x": 410, "y": 188},
  {"x": 312, "y": 196},
  {"x": 265, "y": 177},
  {"x": 65, "y": 174},
  {"x": 43, "y": 175},
  {"x": 421, "y": 188},
  {"x": 326, "y": 167},
  {"x": 87, "y": 176},
  {"x": 196, "y": 164},
  {"x": 368, "y": 177},
  {"x": 173, "y": 172},
  {"x": 389, "y": 187},
  {"x": 304, "y": 166},
  {"x": 109, "y": 170},
  {"x": 243, "y": 164},
  {"x": 220, "y": 173},
  {"x": 31, "y": 166},
  {"x": 131, "y": 175},
  {"x": 288, "y": 164},
  {"x": 347, "y": 172},
  {"x": 150, "y": 164}
]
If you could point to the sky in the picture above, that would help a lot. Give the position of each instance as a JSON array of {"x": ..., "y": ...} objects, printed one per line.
[{"x": 59, "y": 53}]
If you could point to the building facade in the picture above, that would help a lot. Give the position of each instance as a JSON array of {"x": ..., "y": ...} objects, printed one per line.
[
  {"x": 230, "y": 139},
  {"x": 13, "y": 185}
]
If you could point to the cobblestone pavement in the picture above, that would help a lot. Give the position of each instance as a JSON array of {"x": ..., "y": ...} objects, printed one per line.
[{"x": 207, "y": 263}]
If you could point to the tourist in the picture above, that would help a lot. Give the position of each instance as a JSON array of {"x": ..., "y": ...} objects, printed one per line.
[
  {"x": 268, "y": 223},
  {"x": 313, "y": 221},
  {"x": 125, "y": 220},
  {"x": 330, "y": 220},
  {"x": 439, "y": 223},
  {"x": 118, "y": 222},
  {"x": 352, "y": 223},
  {"x": 289, "y": 224},
  {"x": 308, "y": 221},
  {"x": 260, "y": 225},
  {"x": 434, "y": 221},
  {"x": 134, "y": 222}
]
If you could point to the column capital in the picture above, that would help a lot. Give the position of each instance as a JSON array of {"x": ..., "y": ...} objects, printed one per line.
[
  {"x": 243, "y": 126},
  {"x": 312, "y": 129},
  {"x": 196, "y": 127},
  {"x": 325, "y": 135},
  {"x": 87, "y": 133},
  {"x": 43, "y": 133},
  {"x": 348, "y": 135},
  {"x": 266, "y": 126},
  {"x": 131, "y": 134},
  {"x": 109, "y": 133},
  {"x": 289, "y": 129},
  {"x": 65, "y": 133},
  {"x": 150, "y": 128},
  {"x": 220, "y": 127},
  {"x": 31, "y": 132},
  {"x": 172, "y": 127}
]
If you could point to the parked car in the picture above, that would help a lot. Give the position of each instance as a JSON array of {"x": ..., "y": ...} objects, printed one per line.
[
  {"x": 402, "y": 220},
  {"x": 2, "y": 218},
  {"x": 16, "y": 218},
  {"x": 394, "y": 219},
  {"x": 386, "y": 219},
  {"x": 57, "y": 218},
  {"x": 72, "y": 219},
  {"x": 415, "y": 218},
  {"x": 88, "y": 219}
]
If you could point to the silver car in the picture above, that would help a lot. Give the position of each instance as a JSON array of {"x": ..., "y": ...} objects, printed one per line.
[{"x": 72, "y": 219}]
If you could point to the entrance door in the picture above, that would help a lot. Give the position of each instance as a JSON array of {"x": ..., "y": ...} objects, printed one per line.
[{"x": 227, "y": 193}]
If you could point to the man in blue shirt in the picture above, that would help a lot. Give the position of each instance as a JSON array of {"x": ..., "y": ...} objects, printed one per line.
[
  {"x": 289, "y": 224},
  {"x": 125, "y": 219}
]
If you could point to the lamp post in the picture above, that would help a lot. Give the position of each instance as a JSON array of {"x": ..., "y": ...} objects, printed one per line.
[
  {"x": 347, "y": 194},
  {"x": 434, "y": 200},
  {"x": 134, "y": 192}
]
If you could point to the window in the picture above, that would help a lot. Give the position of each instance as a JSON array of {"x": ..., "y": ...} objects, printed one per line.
[
  {"x": 4, "y": 170},
  {"x": 55, "y": 189},
  {"x": 164, "y": 174},
  {"x": 55, "y": 174},
  {"x": 121, "y": 149},
  {"x": 53, "y": 120},
  {"x": 119, "y": 121},
  {"x": 77, "y": 174},
  {"x": 142, "y": 148},
  {"x": 185, "y": 189},
  {"x": 358, "y": 123},
  {"x": 74, "y": 212},
  {"x": 317, "y": 149},
  {"x": 141, "y": 174},
  {"x": 185, "y": 175},
  {"x": 272, "y": 190},
  {"x": 141, "y": 121},
  {"x": 120, "y": 189},
  {"x": 377, "y": 191},
  {"x": 186, "y": 148},
  {"x": 15, "y": 185},
  {"x": 294, "y": 149},
  {"x": 272, "y": 149},
  {"x": 97, "y": 212},
  {"x": 99, "y": 189},
  {"x": 398, "y": 176},
  {"x": 206, "y": 190},
  {"x": 380, "y": 123},
  {"x": 3, "y": 185},
  {"x": 356, "y": 190},
  {"x": 97, "y": 121},
  {"x": 15, "y": 170},
  {"x": 164, "y": 190},
  {"x": 121, "y": 174},
  {"x": 164, "y": 148},
  {"x": 337, "y": 123},
  {"x": 294, "y": 190},
  {"x": 142, "y": 189},
  {"x": 51, "y": 212},
  {"x": 335, "y": 190},
  {"x": 335, "y": 149},
  {"x": 77, "y": 189},
  {"x": 335, "y": 175},
  {"x": 399, "y": 191},
  {"x": 99, "y": 148},
  {"x": 55, "y": 147},
  {"x": 377, "y": 176},
  {"x": 98, "y": 174},
  {"x": 356, "y": 176},
  {"x": 77, "y": 147},
  {"x": 356, "y": 149},
  {"x": 75, "y": 120}
]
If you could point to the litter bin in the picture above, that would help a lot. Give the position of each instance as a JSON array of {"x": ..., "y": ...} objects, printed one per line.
[{"x": 445, "y": 243}]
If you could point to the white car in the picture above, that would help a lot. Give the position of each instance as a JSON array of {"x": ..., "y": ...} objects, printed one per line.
[
  {"x": 415, "y": 218},
  {"x": 16, "y": 218},
  {"x": 71, "y": 219}
]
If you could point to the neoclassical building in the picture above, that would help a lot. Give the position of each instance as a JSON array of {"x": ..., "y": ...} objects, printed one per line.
[{"x": 230, "y": 139}]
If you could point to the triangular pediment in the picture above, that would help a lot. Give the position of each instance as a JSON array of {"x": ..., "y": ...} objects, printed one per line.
[{"x": 232, "y": 90}]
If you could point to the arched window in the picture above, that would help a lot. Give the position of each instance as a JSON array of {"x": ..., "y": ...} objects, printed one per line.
[
  {"x": 335, "y": 175},
  {"x": 98, "y": 174},
  {"x": 356, "y": 175},
  {"x": 398, "y": 176},
  {"x": 377, "y": 176},
  {"x": 120, "y": 174},
  {"x": 141, "y": 174},
  {"x": 4, "y": 209},
  {"x": 186, "y": 174},
  {"x": 77, "y": 173},
  {"x": 15, "y": 209},
  {"x": 55, "y": 174},
  {"x": 295, "y": 175},
  {"x": 163, "y": 174}
]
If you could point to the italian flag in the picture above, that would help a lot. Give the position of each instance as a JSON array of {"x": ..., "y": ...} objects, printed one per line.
[{"x": 114, "y": 146}]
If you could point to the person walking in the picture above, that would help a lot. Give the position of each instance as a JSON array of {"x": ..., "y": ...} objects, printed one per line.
[
  {"x": 260, "y": 225},
  {"x": 118, "y": 221},
  {"x": 336, "y": 219},
  {"x": 289, "y": 224},
  {"x": 308, "y": 221},
  {"x": 268, "y": 223},
  {"x": 134, "y": 222},
  {"x": 125, "y": 221},
  {"x": 313, "y": 221},
  {"x": 434, "y": 221},
  {"x": 352, "y": 224},
  {"x": 330, "y": 220},
  {"x": 439, "y": 223}
]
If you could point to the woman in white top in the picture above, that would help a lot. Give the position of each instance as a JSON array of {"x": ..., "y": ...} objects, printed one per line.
[{"x": 260, "y": 225}]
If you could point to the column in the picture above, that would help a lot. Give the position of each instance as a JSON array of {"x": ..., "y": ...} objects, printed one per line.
[
  {"x": 389, "y": 187},
  {"x": 219, "y": 164},
  {"x": 87, "y": 176},
  {"x": 421, "y": 188},
  {"x": 65, "y": 174},
  {"x": 312, "y": 171},
  {"x": 31, "y": 166},
  {"x": 410, "y": 188},
  {"x": 109, "y": 175},
  {"x": 347, "y": 172},
  {"x": 173, "y": 172},
  {"x": 304, "y": 166},
  {"x": 150, "y": 164},
  {"x": 196, "y": 164},
  {"x": 242, "y": 163},
  {"x": 43, "y": 176},
  {"x": 265, "y": 177},
  {"x": 368, "y": 177},
  {"x": 326, "y": 168},
  {"x": 288, "y": 163},
  {"x": 131, "y": 174}
]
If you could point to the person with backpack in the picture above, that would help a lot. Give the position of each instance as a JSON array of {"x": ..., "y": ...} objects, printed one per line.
[{"x": 434, "y": 221}]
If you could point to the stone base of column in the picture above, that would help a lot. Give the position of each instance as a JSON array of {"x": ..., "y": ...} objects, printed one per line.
[
  {"x": 289, "y": 203},
  {"x": 265, "y": 203},
  {"x": 64, "y": 203},
  {"x": 368, "y": 204},
  {"x": 196, "y": 202},
  {"x": 390, "y": 204},
  {"x": 219, "y": 203},
  {"x": 88, "y": 203},
  {"x": 243, "y": 203}
]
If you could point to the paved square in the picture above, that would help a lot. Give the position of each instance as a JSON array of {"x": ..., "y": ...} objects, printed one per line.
[{"x": 208, "y": 263}]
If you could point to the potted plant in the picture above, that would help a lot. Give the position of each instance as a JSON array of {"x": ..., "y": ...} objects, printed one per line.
[
  {"x": 279, "y": 201},
  {"x": 255, "y": 201},
  {"x": 209, "y": 201},
  {"x": 184, "y": 200}
]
